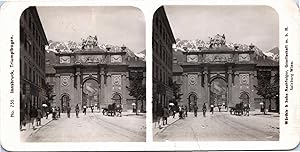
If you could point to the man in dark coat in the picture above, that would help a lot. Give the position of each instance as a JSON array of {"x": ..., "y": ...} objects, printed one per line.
[
  {"x": 204, "y": 109},
  {"x": 77, "y": 110},
  {"x": 159, "y": 114},
  {"x": 195, "y": 110},
  {"x": 186, "y": 111},
  {"x": 58, "y": 111},
  {"x": 68, "y": 111},
  {"x": 22, "y": 117},
  {"x": 33, "y": 115},
  {"x": 39, "y": 117},
  {"x": 165, "y": 115}
]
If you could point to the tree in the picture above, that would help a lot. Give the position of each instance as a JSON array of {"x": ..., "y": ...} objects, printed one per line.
[
  {"x": 268, "y": 90},
  {"x": 137, "y": 90},
  {"x": 49, "y": 93},
  {"x": 176, "y": 93}
]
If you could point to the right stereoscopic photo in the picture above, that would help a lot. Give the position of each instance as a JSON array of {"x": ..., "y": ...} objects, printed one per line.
[{"x": 215, "y": 73}]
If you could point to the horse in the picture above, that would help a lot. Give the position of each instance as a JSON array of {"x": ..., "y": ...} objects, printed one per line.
[
  {"x": 111, "y": 109},
  {"x": 239, "y": 109}
]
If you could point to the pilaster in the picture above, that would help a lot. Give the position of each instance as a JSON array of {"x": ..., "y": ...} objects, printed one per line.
[
  {"x": 206, "y": 86},
  {"x": 58, "y": 92},
  {"x": 229, "y": 96}
]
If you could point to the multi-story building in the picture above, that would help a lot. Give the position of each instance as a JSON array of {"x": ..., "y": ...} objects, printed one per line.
[
  {"x": 32, "y": 60},
  {"x": 162, "y": 42}
]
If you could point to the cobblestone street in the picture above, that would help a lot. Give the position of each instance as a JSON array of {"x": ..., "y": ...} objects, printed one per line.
[
  {"x": 92, "y": 127},
  {"x": 221, "y": 126}
]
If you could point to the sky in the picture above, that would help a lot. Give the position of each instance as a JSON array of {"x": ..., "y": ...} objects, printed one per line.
[
  {"x": 240, "y": 24},
  {"x": 115, "y": 25}
]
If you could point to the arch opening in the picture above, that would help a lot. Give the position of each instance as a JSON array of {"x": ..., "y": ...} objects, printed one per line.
[
  {"x": 65, "y": 102},
  {"x": 117, "y": 99},
  {"x": 192, "y": 101},
  {"x": 218, "y": 92},
  {"x": 90, "y": 93}
]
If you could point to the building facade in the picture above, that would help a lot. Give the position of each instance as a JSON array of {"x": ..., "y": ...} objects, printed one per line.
[
  {"x": 162, "y": 41},
  {"x": 32, "y": 60},
  {"x": 93, "y": 76},
  {"x": 220, "y": 75}
]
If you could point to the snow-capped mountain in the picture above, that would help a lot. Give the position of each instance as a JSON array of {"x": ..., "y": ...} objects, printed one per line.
[
  {"x": 273, "y": 53},
  {"x": 192, "y": 45},
  {"x": 141, "y": 55},
  {"x": 70, "y": 46}
]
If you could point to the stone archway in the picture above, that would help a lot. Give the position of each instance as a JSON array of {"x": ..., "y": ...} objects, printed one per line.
[
  {"x": 244, "y": 98},
  {"x": 218, "y": 91},
  {"x": 116, "y": 98},
  {"x": 90, "y": 92},
  {"x": 64, "y": 102},
  {"x": 192, "y": 101}
]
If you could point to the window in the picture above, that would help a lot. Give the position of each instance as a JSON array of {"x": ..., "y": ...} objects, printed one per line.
[
  {"x": 163, "y": 54},
  {"x": 29, "y": 48},
  {"x": 33, "y": 76},
  {"x": 22, "y": 35},
  {"x": 30, "y": 74},
  {"x": 21, "y": 67},
  {"x": 25, "y": 70},
  {"x": 156, "y": 72},
  {"x": 160, "y": 75}
]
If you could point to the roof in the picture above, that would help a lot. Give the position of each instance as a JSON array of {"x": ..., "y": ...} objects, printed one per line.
[
  {"x": 50, "y": 69},
  {"x": 265, "y": 61},
  {"x": 135, "y": 62},
  {"x": 177, "y": 68}
]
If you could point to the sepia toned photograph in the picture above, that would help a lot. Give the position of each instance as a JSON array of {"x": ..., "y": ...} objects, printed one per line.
[
  {"x": 215, "y": 73},
  {"x": 82, "y": 74}
]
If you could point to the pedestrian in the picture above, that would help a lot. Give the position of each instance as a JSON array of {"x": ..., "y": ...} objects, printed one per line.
[
  {"x": 58, "y": 111},
  {"x": 174, "y": 111},
  {"x": 39, "y": 117},
  {"x": 186, "y": 111},
  {"x": 92, "y": 109},
  {"x": 212, "y": 109},
  {"x": 47, "y": 113},
  {"x": 247, "y": 109},
  {"x": 219, "y": 106},
  {"x": 165, "y": 115},
  {"x": 84, "y": 109},
  {"x": 22, "y": 117},
  {"x": 180, "y": 112},
  {"x": 195, "y": 110},
  {"x": 32, "y": 114},
  {"x": 54, "y": 113},
  {"x": 159, "y": 114},
  {"x": 204, "y": 109},
  {"x": 68, "y": 111},
  {"x": 77, "y": 110}
]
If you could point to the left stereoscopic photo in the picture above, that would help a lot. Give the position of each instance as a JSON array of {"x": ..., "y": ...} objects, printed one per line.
[{"x": 82, "y": 74}]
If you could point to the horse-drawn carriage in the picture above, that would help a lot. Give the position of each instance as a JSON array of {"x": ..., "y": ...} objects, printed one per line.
[
  {"x": 112, "y": 110},
  {"x": 239, "y": 109}
]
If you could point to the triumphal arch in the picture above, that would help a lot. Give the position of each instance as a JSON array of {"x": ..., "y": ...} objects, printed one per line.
[
  {"x": 95, "y": 76},
  {"x": 218, "y": 74}
]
